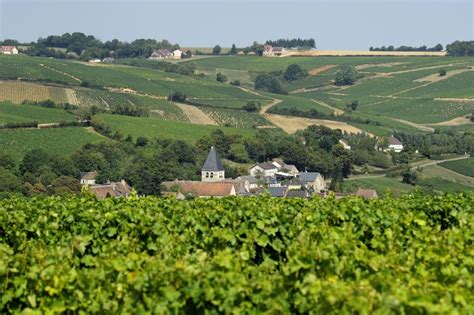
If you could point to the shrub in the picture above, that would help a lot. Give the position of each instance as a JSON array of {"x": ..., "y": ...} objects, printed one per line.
[
  {"x": 266, "y": 82},
  {"x": 294, "y": 72},
  {"x": 177, "y": 97},
  {"x": 221, "y": 77},
  {"x": 347, "y": 75},
  {"x": 235, "y": 82},
  {"x": 442, "y": 72}
]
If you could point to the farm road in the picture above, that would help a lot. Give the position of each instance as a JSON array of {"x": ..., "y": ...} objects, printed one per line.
[{"x": 195, "y": 115}]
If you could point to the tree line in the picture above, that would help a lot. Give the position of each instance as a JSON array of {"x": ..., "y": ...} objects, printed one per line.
[
  {"x": 461, "y": 48},
  {"x": 437, "y": 47},
  {"x": 80, "y": 45},
  {"x": 293, "y": 43}
]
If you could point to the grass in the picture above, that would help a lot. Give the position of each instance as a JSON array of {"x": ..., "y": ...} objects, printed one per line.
[
  {"x": 235, "y": 118},
  {"x": 381, "y": 184},
  {"x": 13, "y": 113},
  {"x": 444, "y": 185},
  {"x": 458, "y": 86},
  {"x": 464, "y": 167},
  {"x": 58, "y": 141},
  {"x": 154, "y": 128},
  {"x": 437, "y": 171}
]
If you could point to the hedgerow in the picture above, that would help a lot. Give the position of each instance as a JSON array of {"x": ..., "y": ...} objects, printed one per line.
[{"x": 411, "y": 255}]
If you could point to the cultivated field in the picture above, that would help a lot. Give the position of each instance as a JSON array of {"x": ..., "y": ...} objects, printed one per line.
[
  {"x": 13, "y": 113},
  {"x": 58, "y": 141},
  {"x": 464, "y": 167},
  {"x": 18, "y": 92}
]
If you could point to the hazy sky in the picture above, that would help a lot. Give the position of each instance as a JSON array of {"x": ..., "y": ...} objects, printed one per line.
[{"x": 335, "y": 24}]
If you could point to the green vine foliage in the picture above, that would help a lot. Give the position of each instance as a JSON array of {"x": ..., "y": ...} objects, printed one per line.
[{"x": 148, "y": 255}]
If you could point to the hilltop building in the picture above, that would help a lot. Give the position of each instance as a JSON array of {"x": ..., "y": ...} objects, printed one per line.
[
  {"x": 212, "y": 170},
  {"x": 270, "y": 51},
  {"x": 177, "y": 54},
  {"x": 8, "y": 50},
  {"x": 395, "y": 145},
  {"x": 161, "y": 54}
]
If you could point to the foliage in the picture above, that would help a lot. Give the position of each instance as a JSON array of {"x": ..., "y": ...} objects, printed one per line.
[
  {"x": 221, "y": 78},
  {"x": 233, "y": 50},
  {"x": 293, "y": 43},
  {"x": 347, "y": 75},
  {"x": 461, "y": 48},
  {"x": 437, "y": 47},
  {"x": 294, "y": 72},
  {"x": 442, "y": 72},
  {"x": 177, "y": 97},
  {"x": 269, "y": 83},
  {"x": 150, "y": 255},
  {"x": 216, "y": 50},
  {"x": 252, "y": 106},
  {"x": 235, "y": 82}
]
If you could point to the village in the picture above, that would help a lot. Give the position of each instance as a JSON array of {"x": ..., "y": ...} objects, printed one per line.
[{"x": 275, "y": 178}]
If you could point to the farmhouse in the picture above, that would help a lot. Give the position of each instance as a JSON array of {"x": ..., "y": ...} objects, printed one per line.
[
  {"x": 161, "y": 54},
  {"x": 115, "y": 189},
  {"x": 313, "y": 181},
  {"x": 88, "y": 178},
  {"x": 212, "y": 170},
  {"x": 269, "y": 51},
  {"x": 177, "y": 54},
  {"x": 263, "y": 169},
  {"x": 345, "y": 144},
  {"x": 8, "y": 50},
  {"x": 395, "y": 145}
]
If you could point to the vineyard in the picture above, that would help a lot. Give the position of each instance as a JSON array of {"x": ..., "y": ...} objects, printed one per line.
[
  {"x": 18, "y": 92},
  {"x": 411, "y": 255}
]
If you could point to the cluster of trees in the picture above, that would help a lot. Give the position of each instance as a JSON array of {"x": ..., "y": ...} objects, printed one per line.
[
  {"x": 188, "y": 68},
  {"x": 347, "y": 75},
  {"x": 293, "y": 43},
  {"x": 461, "y": 48},
  {"x": 270, "y": 82},
  {"x": 437, "y": 47},
  {"x": 80, "y": 45}
]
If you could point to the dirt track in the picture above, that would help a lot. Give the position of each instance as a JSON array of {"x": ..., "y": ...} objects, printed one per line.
[
  {"x": 337, "y": 111},
  {"x": 463, "y": 120},
  {"x": 317, "y": 71},
  {"x": 292, "y": 124},
  {"x": 364, "y": 53},
  {"x": 195, "y": 115}
]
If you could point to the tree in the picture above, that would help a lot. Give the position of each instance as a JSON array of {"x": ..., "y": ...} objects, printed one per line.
[
  {"x": 251, "y": 106},
  {"x": 7, "y": 162},
  {"x": 33, "y": 160},
  {"x": 442, "y": 72},
  {"x": 177, "y": 97},
  {"x": 347, "y": 75},
  {"x": 216, "y": 50},
  {"x": 266, "y": 82},
  {"x": 233, "y": 50},
  {"x": 221, "y": 77},
  {"x": 9, "y": 183},
  {"x": 294, "y": 72},
  {"x": 141, "y": 141},
  {"x": 235, "y": 82},
  {"x": 354, "y": 104},
  {"x": 409, "y": 177},
  {"x": 65, "y": 185}
]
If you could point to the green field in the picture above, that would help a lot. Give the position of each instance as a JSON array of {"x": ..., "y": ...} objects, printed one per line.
[
  {"x": 12, "y": 113},
  {"x": 58, "y": 141},
  {"x": 464, "y": 167},
  {"x": 153, "y": 128},
  {"x": 149, "y": 255},
  {"x": 382, "y": 185}
]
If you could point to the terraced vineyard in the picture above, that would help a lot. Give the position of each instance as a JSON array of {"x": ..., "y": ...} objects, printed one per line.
[
  {"x": 18, "y": 92},
  {"x": 237, "y": 255},
  {"x": 464, "y": 167},
  {"x": 13, "y": 113}
]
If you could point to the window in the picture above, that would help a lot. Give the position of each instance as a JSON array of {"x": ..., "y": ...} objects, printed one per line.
[
  {"x": 207, "y": 174},
  {"x": 212, "y": 175}
]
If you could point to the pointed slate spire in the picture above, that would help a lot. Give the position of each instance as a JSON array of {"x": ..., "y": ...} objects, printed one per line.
[{"x": 213, "y": 163}]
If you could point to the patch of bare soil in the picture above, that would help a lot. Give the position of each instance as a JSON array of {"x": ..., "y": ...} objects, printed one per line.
[
  {"x": 374, "y": 65},
  {"x": 317, "y": 71},
  {"x": 292, "y": 124},
  {"x": 336, "y": 111},
  {"x": 122, "y": 90},
  {"x": 435, "y": 77},
  {"x": 459, "y": 100},
  {"x": 453, "y": 122},
  {"x": 195, "y": 115}
]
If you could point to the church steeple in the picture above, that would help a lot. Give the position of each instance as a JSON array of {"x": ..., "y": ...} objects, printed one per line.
[{"x": 212, "y": 170}]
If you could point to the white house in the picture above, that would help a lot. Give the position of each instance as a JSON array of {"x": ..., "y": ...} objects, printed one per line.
[
  {"x": 212, "y": 170},
  {"x": 395, "y": 145},
  {"x": 263, "y": 169},
  {"x": 177, "y": 54},
  {"x": 161, "y": 54},
  {"x": 345, "y": 144},
  {"x": 270, "y": 51},
  {"x": 312, "y": 180},
  {"x": 8, "y": 50},
  {"x": 88, "y": 178}
]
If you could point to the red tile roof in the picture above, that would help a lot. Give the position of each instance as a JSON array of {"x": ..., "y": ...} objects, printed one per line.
[{"x": 202, "y": 189}]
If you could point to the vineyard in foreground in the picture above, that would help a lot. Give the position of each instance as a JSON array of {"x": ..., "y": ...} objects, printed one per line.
[{"x": 411, "y": 255}]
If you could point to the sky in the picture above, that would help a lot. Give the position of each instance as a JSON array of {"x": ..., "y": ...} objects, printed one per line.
[{"x": 336, "y": 24}]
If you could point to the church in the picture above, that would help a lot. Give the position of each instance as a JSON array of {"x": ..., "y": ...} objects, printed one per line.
[{"x": 212, "y": 170}]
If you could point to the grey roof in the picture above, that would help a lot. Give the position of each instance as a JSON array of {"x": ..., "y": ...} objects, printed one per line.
[
  {"x": 250, "y": 179},
  {"x": 277, "y": 191},
  {"x": 297, "y": 181},
  {"x": 393, "y": 141},
  {"x": 269, "y": 180},
  {"x": 267, "y": 166},
  {"x": 308, "y": 176},
  {"x": 213, "y": 163},
  {"x": 297, "y": 194}
]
